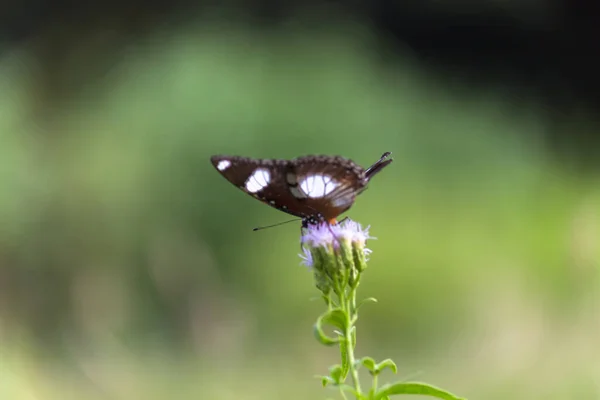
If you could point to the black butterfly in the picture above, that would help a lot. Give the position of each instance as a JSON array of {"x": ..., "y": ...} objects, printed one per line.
[{"x": 314, "y": 188}]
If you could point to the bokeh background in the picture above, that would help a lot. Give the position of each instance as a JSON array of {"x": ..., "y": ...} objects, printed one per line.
[{"x": 128, "y": 266}]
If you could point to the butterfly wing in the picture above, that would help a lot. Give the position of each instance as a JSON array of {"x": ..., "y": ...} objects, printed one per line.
[
  {"x": 314, "y": 187},
  {"x": 263, "y": 179},
  {"x": 327, "y": 185}
]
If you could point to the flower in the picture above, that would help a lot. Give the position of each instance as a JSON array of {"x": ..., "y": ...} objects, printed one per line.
[
  {"x": 319, "y": 235},
  {"x": 336, "y": 253},
  {"x": 306, "y": 257},
  {"x": 331, "y": 235},
  {"x": 354, "y": 232}
]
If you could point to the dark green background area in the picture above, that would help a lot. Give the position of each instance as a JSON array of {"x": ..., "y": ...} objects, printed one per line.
[{"x": 129, "y": 269}]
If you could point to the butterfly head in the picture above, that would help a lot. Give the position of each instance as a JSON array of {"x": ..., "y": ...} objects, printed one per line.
[{"x": 318, "y": 219}]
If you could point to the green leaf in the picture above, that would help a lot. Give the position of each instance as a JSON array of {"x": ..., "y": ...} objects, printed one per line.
[
  {"x": 326, "y": 380},
  {"x": 414, "y": 388},
  {"x": 367, "y": 362},
  {"x": 367, "y": 300},
  {"x": 387, "y": 363},
  {"x": 336, "y": 373},
  {"x": 337, "y": 318},
  {"x": 345, "y": 359}
]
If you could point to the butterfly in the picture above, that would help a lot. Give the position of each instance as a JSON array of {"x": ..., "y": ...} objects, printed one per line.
[{"x": 314, "y": 188}]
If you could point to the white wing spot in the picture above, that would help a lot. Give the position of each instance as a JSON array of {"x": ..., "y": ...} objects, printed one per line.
[
  {"x": 258, "y": 180},
  {"x": 318, "y": 185},
  {"x": 223, "y": 165}
]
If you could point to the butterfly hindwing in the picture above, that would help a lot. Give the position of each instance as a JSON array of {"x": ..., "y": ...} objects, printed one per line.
[{"x": 328, "y": 185}]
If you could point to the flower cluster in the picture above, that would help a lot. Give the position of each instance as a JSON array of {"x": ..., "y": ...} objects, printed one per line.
[
  {"x": 336, "y": 253},
  {"x": 325, "y": 234}
]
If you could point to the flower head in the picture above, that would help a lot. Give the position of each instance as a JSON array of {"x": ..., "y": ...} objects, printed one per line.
[
  {"x": 318, "y": 235},
  {"x": 331, "y": 235},
  {"x": 354, "y": 232},
  {"x": 337, "y": 253}
]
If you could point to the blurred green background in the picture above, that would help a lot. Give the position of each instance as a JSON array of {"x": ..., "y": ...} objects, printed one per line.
[{"x": 129, "y": 269}]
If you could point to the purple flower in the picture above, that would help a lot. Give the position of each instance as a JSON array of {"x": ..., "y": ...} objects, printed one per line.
[
  {"x": 327, "y": 236},
  {"x": 318, "y": 235},
  {"x": 354, "y": 232},
  {"x": 306, "y": 257}
]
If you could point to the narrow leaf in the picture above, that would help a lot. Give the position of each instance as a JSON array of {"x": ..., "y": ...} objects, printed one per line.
[
  {"x": 387, "y": 363},
  {"x": 365, "y": 301},
  {"x": 345, "y": 359},
  {"x": 414, "y": 388},
  {"x": 336, "y": 318},
  {"x": 322, "y": 337},
  {"x": 368, "y": 363}
]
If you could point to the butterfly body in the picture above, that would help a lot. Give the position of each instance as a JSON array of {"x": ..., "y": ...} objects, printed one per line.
[{"x": 313, "y": 188}]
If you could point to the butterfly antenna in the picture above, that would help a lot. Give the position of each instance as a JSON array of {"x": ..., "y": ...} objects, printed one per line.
[
  {"x": 274, "y": 225},
  {"x": 383, "y": 162}
]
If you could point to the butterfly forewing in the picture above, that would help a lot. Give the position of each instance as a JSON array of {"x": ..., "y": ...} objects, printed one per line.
[
  {"x": 238, "y": 170},
  {"x": 264, "y": 180}
]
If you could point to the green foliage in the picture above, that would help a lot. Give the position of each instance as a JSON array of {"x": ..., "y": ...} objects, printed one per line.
[{"x": 389, "y": 390}]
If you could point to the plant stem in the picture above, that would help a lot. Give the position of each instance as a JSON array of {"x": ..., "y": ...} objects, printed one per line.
[
  {"x": 350, "y": 306},
  {"x": 343, "y": 394},
  {"x": 375, "y": 383}
]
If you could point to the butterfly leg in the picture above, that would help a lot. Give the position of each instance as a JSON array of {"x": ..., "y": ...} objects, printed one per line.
[{"x": 343, "y": 219}]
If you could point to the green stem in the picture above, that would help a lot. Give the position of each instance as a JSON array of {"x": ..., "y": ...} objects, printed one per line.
[
  {"x": 343, "y": 394},
  {"x": 375, "y": 383},
  {"x": 350, "y": 306}
]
